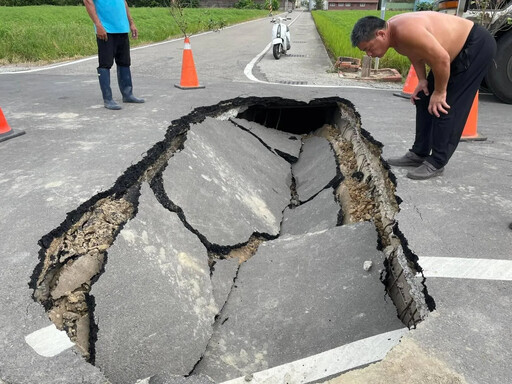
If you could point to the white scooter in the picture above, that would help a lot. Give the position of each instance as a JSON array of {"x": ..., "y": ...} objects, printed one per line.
[{"x": 281, "y": 42}]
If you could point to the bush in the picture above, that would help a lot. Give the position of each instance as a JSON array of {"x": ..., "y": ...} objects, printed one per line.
[
  {"x": 425, "y": 6},
  {"x": 319, "y": 5},
  {"x": 275, "y": 5},
  {"x": 247, "y": 4}
]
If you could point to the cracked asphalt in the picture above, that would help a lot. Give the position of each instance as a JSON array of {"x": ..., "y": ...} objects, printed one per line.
[{"x": 75, "y": 149}]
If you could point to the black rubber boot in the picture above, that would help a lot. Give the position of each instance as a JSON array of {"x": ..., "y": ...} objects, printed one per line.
[
  {"x": 104, "y": 77},
  {"x": 124, "y": 78}
]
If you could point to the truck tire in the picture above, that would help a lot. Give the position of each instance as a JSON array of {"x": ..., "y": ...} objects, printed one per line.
[{"x": 499, "y": 77}]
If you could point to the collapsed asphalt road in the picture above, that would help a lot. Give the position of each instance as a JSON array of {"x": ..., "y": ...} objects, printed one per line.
[
  {"x": 170, "y": 234},
  {"x": 74, "y": 151}
]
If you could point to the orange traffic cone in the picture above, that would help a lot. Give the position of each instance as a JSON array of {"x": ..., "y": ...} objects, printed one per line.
[
  {"x": 188, "y": 69},
  {"x": 470, "y": 129},
  {"x": 5, "y": 130},
  {"x": 410, "y": 84}
]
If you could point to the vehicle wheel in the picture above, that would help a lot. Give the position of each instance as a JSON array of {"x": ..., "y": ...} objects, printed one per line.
[
  {"x": 277, "y": 51},
  {"x": 499, "y": 77}
]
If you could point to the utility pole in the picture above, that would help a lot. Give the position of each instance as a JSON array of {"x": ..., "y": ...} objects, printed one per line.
[{"x": 382, "y": 15}]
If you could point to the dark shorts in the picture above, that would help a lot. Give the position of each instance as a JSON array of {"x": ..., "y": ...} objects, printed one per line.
[{"x": 117, "y": 47}]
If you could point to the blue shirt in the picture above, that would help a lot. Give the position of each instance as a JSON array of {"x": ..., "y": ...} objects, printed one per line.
[{"x": 112, "y": 14}]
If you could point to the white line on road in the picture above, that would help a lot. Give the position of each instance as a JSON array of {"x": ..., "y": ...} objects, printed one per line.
[
  {"x": 49, "y": 341},
  {"x": 463, "y": 268},
  {"x": 249, "y": 67},
  {"x": 328, "y": 363}
]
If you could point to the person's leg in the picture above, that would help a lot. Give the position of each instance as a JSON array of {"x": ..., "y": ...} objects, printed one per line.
[
  {"x": 424, "y": 122},
  {"x": 423, "y": 135},
  {"x": 124, "y": 75},
  {"x": 105, "y": 62}
]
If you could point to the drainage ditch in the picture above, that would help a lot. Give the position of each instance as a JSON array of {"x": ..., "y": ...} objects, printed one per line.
[{"x": 73, "y": 256}]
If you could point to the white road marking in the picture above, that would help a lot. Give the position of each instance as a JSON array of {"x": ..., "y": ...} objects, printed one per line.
[
  {"x": 465, "y": 268},
  {"x": 252, "y": 63},
  {"x": 49, "y": 341},
  {"x": 328, "y": 363},
  {"x": 249, "y": 67}
]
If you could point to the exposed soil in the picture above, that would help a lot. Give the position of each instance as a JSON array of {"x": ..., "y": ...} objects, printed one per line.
[
  {"x": 243, "y": 253},
  {"x": 353, "y": 193},
  {"x": 71, "y": 263}
]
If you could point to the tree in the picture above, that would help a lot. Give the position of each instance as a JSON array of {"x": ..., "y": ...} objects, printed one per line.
[
  {"x": 176, "y": 9},
  {"x": 491, "y": 14}
]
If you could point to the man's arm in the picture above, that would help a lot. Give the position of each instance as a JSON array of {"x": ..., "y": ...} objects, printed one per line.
[
  {"x": 423, "y": 48},
  {"x": 421, "y": 73},
  {"x": 133, "y": 28},
  {"x": 439, "y": 61},
  {"x": 91, "y": 10}
]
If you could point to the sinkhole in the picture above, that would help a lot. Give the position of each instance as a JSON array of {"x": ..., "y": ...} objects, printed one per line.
[{"x": 257, "y": 232}]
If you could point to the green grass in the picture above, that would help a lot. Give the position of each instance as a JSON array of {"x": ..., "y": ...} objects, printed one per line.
[
  {"x": 335, "y": 28},
  {"x": 51, "y": 33}
]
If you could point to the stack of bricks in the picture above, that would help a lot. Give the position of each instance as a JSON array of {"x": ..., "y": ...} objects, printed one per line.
[{"x": 347, "y": 64}]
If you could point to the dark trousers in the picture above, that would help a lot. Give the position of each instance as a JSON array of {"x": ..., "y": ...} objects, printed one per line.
[
  {"x": 438, "y": 137},
  {"x": 117, "y": 47}
]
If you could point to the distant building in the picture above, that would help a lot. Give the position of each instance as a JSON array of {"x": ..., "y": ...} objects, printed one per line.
[{"x": 340, "y": 5}]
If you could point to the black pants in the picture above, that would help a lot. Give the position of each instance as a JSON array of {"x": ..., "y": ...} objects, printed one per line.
[
  {"x": 116, "y": 47},
  {"x": 438, "y": 137}
]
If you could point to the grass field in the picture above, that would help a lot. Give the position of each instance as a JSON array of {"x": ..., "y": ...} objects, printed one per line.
[
  {"x": 335, "y": 28},
  {"x": 44, "y": 34}
]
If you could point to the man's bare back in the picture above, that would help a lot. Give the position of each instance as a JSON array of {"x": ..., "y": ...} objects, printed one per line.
[
  {"x": 433, "y": 39},
  {"x": 412, "y": 33}
]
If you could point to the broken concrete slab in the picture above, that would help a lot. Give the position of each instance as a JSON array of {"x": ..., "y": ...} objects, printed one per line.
[
  {"x": 76, "y": 272},
  {"x": 316, "y": 168},
  {"x": 154, "y": 303},
  {"x": 227, "y": 183},
  {"x": 321, "y": 212},
  {"x": 299, "y": 296},
  {"x": 174, "y": 379},
  {"x": 223, "y": 276},
  {"x": 284, "y": 144}
]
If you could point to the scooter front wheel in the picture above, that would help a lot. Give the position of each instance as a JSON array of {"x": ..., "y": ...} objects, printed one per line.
[{"x": 277, "y": 51}]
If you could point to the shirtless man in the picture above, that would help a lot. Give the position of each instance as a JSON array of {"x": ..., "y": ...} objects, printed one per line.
[{"x": 458, "y": 53}]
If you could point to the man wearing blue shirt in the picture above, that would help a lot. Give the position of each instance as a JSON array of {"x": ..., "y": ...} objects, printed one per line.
[{"x": 112, "y": 23}]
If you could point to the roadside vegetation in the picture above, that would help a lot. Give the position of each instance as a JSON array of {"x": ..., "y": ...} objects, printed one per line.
[
  {"x": 335, "y": 28},
  {"x": 45, "y": 34}
]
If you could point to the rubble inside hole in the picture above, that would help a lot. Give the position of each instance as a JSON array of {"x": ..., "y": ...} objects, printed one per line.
[{"x": 73, "y": 261}]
